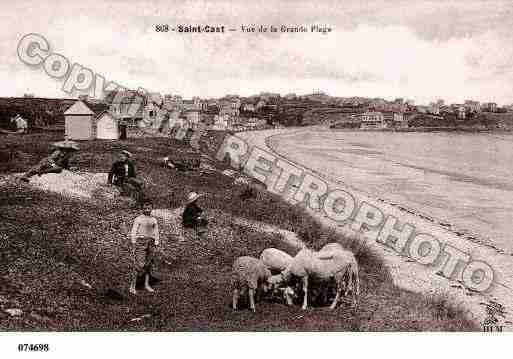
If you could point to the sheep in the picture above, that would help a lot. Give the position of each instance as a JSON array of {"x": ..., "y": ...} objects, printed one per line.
[
  {"x": 332, "y": 247},
  {"x": 330, "y": 263},
  {"x": 351, "y": 279},
  {"x": 251, "y": 274},
  {"x": 277, "y": 261},
  {"x": 329, "y": 248}
]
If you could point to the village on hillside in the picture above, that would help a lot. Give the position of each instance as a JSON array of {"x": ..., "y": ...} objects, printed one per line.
[{"x": 121, "y": 114}]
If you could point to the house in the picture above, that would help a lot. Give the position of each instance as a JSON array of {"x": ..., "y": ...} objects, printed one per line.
[
  {"x": 394, "y": 119},
  {"x": 207, "y": 119},
  {"x": 422, "y": 109},
  {"x": 192, "y": 105},
  {"x": 461, "y": 112},
  {"x": 82, "y": 123},
  {"x": 230, "y": 106},
  {"x": 434, "y": 108},
  {"x": 372, "y": 120},
  {"x": 220, "y": 122},
  {"x": 173, "y": 102},
  {"x": 150, "y": 114},
  {"x": 490, "y": 107},
  {"x": 318, "y": 96},
  {"x": 193, "y": 118},
  {"x": 150, "y": 110},
  {"x": 78, "y": 122},
  {"x": 377, "y": 103},
  {"x": 260, "y": 104},
  {"x": 255, "y": 123},
  {"x": 156, "y": 98},
  {"x": 268, "y": 95},
  {"x": 107, "y": 126},
  {"x": 127, "y": 105},
  {"x": 155, "y": 117},
  {"x": 248, "y": 107},
  {"x": 347, "y": 120},
  {"x": 400, "y": 120},
  {"x": 472, "y": 106}
]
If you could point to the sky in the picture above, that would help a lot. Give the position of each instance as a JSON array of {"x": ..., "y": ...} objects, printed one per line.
[{"x": 420, "y": 50}]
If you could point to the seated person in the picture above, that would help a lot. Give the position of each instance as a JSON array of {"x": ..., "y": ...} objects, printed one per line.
[
  {"x": 55, "y": 163},
  {"x": 193, "y": 217},
  {"x": 122, "y": 174}
]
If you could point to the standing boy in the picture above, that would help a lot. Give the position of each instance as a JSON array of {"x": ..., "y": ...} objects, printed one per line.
[{"x": 144, "y": 237}]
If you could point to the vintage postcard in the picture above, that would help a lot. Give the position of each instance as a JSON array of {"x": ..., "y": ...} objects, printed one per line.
[{"x": 289, "y": 166}]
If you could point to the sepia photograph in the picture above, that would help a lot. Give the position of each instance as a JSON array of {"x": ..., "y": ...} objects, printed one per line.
[{"x": 264, "y": 169}]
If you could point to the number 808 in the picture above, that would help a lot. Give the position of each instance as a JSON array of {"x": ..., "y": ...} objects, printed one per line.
[{"x": 162, "y": 28}]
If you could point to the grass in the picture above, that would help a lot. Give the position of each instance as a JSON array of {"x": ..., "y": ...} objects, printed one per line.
[{"x": 49, "y": 244}]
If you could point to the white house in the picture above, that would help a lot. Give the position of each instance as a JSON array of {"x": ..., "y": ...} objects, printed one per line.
[
  {"x": 81, "y": 123},
  {"x": 372, "y": 120},
  {"x": 490, "y": 107},
  {"x": 461, "y": 112},
  {"x": 400, "y": 120},
  {"x": 78, "y": 122},
  {"x": 221, "y": 122},
  {"x": 472, "y": 106},
  {"x": 434, "y": 108},
  {"x": 107, "y": 126}
]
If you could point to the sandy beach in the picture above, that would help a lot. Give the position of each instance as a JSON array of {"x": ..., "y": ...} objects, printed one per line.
[{"x": 407, "y": 273}]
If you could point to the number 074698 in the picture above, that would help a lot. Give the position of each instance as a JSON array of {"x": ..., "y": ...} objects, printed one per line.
[{"x": 33, "y": 347}]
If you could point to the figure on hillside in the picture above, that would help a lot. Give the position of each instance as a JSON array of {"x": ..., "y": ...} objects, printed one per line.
[
  {"x": 123, "y": 175},
  {"x": 144, "y": 238},
  {"x": 193, "y": 218},
  {"x": 21, "y": 124},
  {"x": 56, "y": 162}
]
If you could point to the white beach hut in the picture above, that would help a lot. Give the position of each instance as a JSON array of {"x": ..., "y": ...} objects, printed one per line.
[
  {"x": 78, "y": 122},
  {"x": 82, "y": 123},
  {"x": 107, "y": 127}
]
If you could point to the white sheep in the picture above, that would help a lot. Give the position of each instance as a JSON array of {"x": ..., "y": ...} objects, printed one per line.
[
  {"x": 331, "y": 263},
  {"x": 332, "y": 247},
  {"x": 351, "y": 282},
  {"x": 277, "y": 261},
  {"x": 248, "y": 274}
]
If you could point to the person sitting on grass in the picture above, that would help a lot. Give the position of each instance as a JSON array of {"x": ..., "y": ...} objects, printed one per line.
[
  {"x": 193, "y": 217},
  {"x": 144, "y": 237},
  {"x": 122, "y": 174},
  {"x": 55, "y": 163}
]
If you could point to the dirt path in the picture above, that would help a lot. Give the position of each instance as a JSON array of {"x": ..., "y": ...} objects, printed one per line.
[{"x": 409, "y": 274}]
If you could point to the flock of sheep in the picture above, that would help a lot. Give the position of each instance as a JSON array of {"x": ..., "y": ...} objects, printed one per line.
[{"x": 331, "y": 264}]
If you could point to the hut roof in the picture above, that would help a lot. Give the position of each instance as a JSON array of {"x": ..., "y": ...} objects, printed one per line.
[
  {"x": 100, "y": 115},
  {"x": 78, "y": 108}
]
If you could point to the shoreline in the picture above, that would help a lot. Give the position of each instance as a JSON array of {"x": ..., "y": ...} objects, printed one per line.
[
  {"x": 456, "y": 230},
  {"x": 405, "y": 272},
  {"x": 427, "y": 129}
]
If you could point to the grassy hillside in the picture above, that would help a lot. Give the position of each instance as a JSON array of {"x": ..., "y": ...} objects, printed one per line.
[
  {"x": 329, "y": 115},
  {"x": 51, "y": 245}
]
